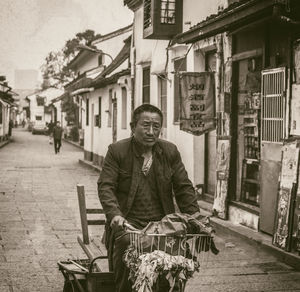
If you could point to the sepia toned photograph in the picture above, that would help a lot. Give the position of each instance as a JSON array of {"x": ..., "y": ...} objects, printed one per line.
[{"x": 150, "y": 146}]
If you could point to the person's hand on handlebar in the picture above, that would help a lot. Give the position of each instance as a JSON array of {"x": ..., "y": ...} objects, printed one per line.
[
  {"x": 120, "y": 223},
  {"x": 117, "y": 223}
]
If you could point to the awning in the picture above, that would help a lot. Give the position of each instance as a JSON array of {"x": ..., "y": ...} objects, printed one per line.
[
  {"x": 234, "y": 16},
  {"x": 81, "y": 91},
  {"x": 79, "y": 83},
  {"x": 111, "y": 79}
]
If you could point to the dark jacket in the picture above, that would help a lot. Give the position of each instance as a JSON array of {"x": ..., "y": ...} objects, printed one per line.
[
  {"x": 57, "y": 132},
  {"x": 119, "y": 178}
]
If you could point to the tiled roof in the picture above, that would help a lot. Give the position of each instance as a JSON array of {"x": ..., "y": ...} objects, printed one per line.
[{"x": 236, "y": 14}]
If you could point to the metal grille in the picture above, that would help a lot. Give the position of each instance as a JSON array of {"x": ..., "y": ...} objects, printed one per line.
[{"x": 273, "y": 105}]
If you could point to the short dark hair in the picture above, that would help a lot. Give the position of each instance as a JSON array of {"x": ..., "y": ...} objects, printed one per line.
[{"x": 146, "y": 107}]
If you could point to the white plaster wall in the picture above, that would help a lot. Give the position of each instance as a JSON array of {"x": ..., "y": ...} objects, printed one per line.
[
  {"x": 5, "y": 119},
  {"x": 88, "y": 63},
  {"x": 112, "y": 46},
  {"x": 103, "y": 135}
]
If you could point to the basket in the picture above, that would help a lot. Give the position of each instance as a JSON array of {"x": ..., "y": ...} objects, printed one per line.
[
  {"x": 165, "y": 257},
  {"x": 193, "y": 246},
  {"x": 81, "y": 276}
]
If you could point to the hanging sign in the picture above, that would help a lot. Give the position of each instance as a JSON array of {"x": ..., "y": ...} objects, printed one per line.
[{"x": 197, "y": 102}]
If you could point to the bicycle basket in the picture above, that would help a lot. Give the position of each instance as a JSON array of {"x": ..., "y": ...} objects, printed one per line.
[{"x": 192, "y": 246}]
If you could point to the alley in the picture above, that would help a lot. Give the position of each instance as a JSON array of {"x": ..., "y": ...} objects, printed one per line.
[{"x": 39, "y": 224}]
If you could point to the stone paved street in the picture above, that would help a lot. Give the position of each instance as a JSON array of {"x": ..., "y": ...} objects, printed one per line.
[{"x": 39, "y": 224}]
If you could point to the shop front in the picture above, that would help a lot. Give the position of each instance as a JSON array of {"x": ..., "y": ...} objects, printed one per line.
[{"x": 256, "y": 84}]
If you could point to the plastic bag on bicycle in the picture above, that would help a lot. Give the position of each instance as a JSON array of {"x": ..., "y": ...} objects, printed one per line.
[{"x": 179, "y": 224}]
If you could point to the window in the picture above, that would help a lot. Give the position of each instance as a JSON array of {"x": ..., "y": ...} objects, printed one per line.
[
  {"x": 38, "y": 118},
  {"x": 124, "y": 108},
  {"x": 1, "y": 117},
  {"x": 167, "y": 11},
  {"x": 146, "y": 85},
  {"x": 87, "y": 111},
  {"x": 40, "y": 101},
  {"x": 179, "y": 65},
  {"x": 163, "y": 99},
  {"x": 147, "y": 13},
  {"x": 162, "y": 19},
  {"x": 99, "y": 111},
  {"x": 100, "y": 60},
  {"x": 110, "y": 97},
  {"x": 273, "y": 105}
]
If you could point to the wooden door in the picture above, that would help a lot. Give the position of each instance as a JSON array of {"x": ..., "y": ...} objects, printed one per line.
[{"x": 272, "y": 133}]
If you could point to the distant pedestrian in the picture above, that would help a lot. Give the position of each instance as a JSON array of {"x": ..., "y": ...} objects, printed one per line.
[
  {"x": 10, "y": 126},
  {"x": 50, "y": 131},
  {"x": 23, "y": 123},
  {"x": 57, "y": 135}
]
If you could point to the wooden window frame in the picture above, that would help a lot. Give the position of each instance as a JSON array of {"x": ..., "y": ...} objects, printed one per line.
[
  {"x": 146, "y": 86},
  {"x": 87, "y": 116}
]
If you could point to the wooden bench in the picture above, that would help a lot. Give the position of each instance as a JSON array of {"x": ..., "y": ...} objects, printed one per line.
[{"x": 88, "y": 244}]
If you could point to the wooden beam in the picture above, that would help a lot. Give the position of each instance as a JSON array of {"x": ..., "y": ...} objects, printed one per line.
[
  {"x": 92, "y": 251},
  {"x": 83, "y": 216},
  {"x": 247, "y": 54}
]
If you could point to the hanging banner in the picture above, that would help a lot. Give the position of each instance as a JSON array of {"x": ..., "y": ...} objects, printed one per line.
[{"x": 197, "y": 102}]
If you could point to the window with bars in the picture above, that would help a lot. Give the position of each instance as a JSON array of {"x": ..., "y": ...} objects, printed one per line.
[
  {"x": 167, "y": 11},
  {"x": 273, "y": 105}
]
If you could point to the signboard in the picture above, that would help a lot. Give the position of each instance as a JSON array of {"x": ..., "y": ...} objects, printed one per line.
[{"x": 197, "y": 102}]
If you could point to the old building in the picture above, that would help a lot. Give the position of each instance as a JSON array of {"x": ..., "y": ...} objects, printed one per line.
[
  {"x": 39, "y": 104},
  {"x": 6, "y": 108},
  {"x": 101, "y": 92},
  {"x": 251, "y": 48}
]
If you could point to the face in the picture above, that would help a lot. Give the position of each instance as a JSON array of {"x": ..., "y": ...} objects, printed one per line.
[{"x": 147, "y": 129}]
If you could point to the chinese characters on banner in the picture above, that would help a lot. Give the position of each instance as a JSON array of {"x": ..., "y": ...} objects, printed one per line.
[{"x": 197, "y": 102}]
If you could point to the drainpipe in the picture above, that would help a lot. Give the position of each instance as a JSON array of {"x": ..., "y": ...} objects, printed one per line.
[
  {"x": 219, "y": 73},
  {"x": 132, "y": 70}
]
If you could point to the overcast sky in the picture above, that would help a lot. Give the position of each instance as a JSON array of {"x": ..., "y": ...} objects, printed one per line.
[{"x": 30, "y": 29}]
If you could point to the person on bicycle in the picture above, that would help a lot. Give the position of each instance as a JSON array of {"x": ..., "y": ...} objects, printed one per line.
[{"x": 139, "y": 178}]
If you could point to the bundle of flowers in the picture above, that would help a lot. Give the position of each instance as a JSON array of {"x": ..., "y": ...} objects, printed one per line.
[{"x": 146, "y": 268}]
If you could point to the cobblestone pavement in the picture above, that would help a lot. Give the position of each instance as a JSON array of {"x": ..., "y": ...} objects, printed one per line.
[{"x": 39, "y": 224}]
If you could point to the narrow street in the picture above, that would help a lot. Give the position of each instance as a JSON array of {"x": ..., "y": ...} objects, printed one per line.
[{"x": 39, "y": 224}]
